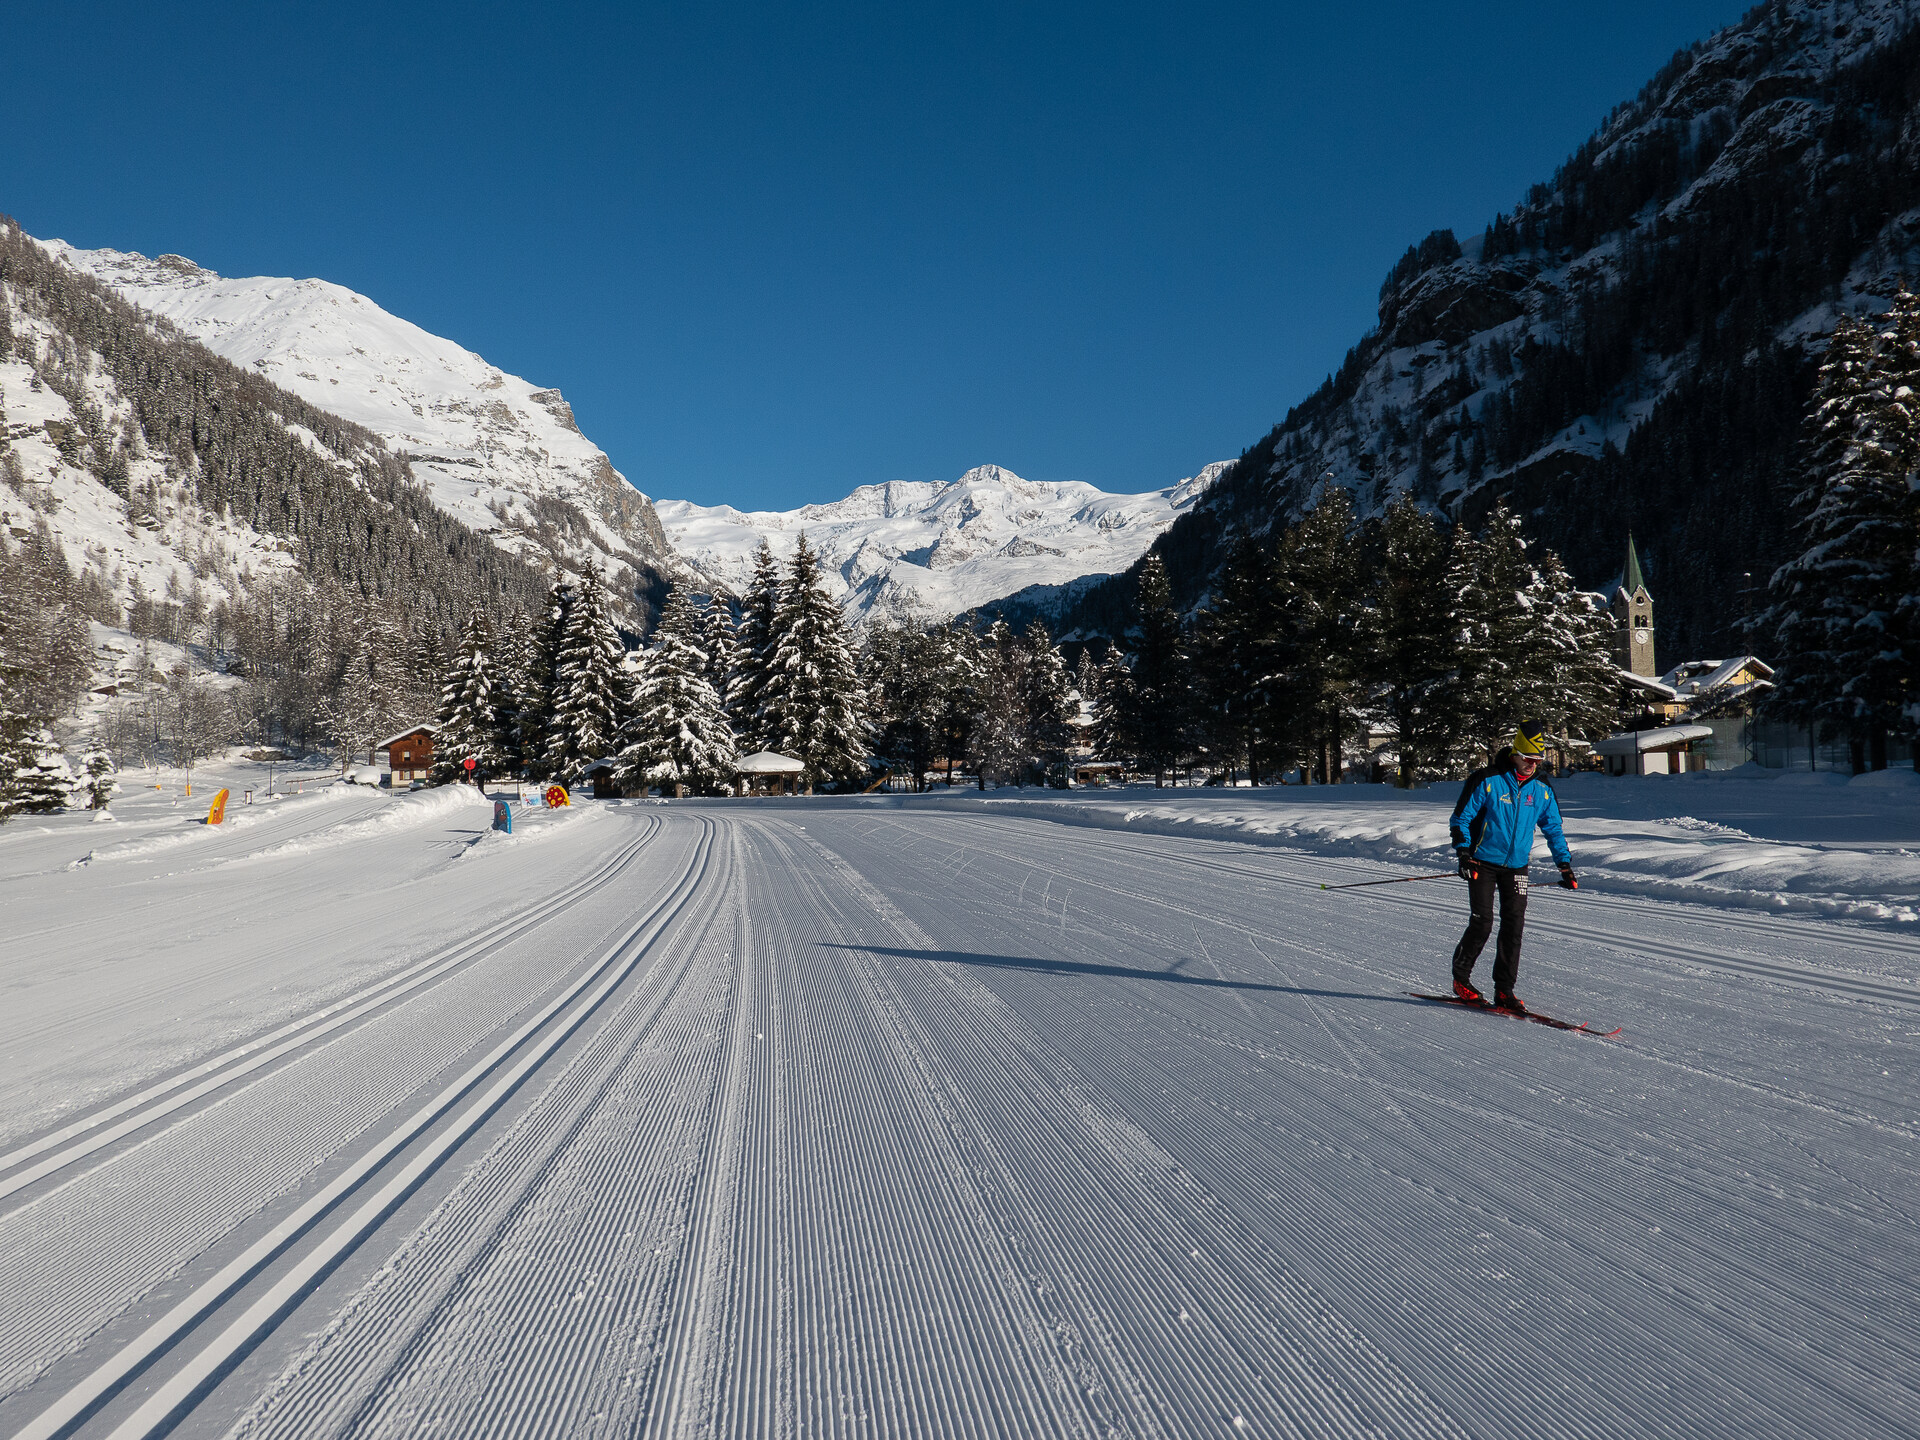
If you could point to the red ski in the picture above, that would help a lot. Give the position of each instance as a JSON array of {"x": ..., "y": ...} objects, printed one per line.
[{"x": 1585, "y": 1027}]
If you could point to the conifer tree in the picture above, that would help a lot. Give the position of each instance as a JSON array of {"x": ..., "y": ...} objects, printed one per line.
[
  {"x": 1238, "y": 665},
  {"x": 1046, "y": 700},
  {"x": 1405, "y": 635},
  {"x": 998, "y": 743},
  {"x": 1492, "y": 589},
  {"x": 537, "y": 692},
  {"x": 756, "y": 636},
  {"x": 513, "y": 692},
  {"x": 42, "y": 780},
  {"x": 590, "y": 685},
  {"x": 721, "y": 644},
  {"x": 1151, "y": 698},
  {"x": 957, "y": 698},
  {"x": 1842, "y": 608},
  {"x": 813, "y": 706},
  {"x": 908, "y": 675},
  {"x": 99, "y": 777},
  {"x": 1317, "y": 573},
  {"x": 1574, "y": 687},
  {"x": 469, "y": 715},
  {"x": 678, "y": 736}
]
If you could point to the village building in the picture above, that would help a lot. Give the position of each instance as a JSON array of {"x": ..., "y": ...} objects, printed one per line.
[
  {"x": 409, "y": 754},
  {"x": 1699, "y": 715}
]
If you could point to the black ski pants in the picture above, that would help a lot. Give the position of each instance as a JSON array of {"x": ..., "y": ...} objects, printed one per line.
[{"x": 1512, "y": 888}]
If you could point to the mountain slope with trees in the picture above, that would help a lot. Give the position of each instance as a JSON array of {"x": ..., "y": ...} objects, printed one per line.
[{"x": 1633, "y": 346}]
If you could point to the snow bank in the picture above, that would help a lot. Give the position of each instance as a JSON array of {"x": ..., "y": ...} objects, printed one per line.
[
  {"x": 406, "y": 812},
  {"x": 1751, "y": 839},
  {"x": 191, "y": 828}
]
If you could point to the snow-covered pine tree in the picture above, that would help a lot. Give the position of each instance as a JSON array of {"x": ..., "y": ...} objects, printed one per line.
[
  {"x": 756, "y": 635},
  {"x": 42, "y": 780},
  {"x": 533, "y": 717},
  {"x": 956, "y": 697},
  {"x": 813, "y": 706},
  {"x": 908, "y": 677},
  {"x": 722, "y": 647},
  {"x": 590, "y": 696},
  {"x": 1046, "y": 697},
  {"x": 469, "y": 715},
  {"x": 1114, "y": 735},
  {"x": 678, "y": 736},
  {"x": 1573, "y": 687},
  {"x": 1491, "y": 587},
  {"x": 1405, "y": 636},
  {"x": 1846, "y": 663},
  {"x": 513, "y": 653},
  {"x": 1900, "y": 352},
  {"x": 99, "y": 777},
  {"x": 998, "y": 743}
]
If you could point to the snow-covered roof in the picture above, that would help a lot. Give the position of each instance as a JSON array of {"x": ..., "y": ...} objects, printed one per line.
[
  {"x": 1689, "y": 680},
  {"x": 1646, "y": 682},
  {"x": 1634, "y": 742},
  {"x": 768, "y": 762},
  {"x": 404, "y": 734}
]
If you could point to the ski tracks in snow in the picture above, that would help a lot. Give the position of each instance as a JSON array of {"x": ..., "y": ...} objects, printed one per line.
[{"x": 930, "y": 1124}]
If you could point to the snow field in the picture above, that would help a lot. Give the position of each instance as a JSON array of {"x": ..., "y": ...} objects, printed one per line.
[{"x": 841, "y": 1118}]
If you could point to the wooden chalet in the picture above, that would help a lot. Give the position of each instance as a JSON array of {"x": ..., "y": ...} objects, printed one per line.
[{"x": 409, "y": 754}]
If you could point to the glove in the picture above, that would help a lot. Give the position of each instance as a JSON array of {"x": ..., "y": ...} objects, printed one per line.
[
  {"x": 1567, "y": 882},
  {"x": 1466, "y": 864}
]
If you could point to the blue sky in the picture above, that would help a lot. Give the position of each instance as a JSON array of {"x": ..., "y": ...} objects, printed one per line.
[{"x": 771, "y": 252}]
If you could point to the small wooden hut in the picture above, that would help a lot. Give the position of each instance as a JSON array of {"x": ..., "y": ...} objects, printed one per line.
[{"x": 767, "y": 772}]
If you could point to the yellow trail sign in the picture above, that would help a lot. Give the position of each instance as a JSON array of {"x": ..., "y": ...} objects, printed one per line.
[{"x": 218, "y": 810}]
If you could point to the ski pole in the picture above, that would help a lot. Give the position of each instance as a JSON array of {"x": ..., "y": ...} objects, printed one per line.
[{"x": 1398, "y": 880}]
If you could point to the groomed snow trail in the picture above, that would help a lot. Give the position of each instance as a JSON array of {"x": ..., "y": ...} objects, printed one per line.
[{"x": 845, "y": 1119}]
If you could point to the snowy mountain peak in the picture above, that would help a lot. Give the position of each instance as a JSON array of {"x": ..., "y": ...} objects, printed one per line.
[
  {"x": 502, "y": 455},
  {"x": 940, "y": 547}
]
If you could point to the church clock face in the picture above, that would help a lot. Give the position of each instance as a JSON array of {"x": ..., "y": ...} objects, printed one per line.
[{"x": 1639, "y": 637}]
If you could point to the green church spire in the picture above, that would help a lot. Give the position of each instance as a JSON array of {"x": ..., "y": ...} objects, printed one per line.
[{"x": 1634, "y": 581}]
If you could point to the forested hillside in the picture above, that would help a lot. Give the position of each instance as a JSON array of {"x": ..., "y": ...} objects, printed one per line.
[
  {"x": 1632, "y": 347},
  {"x": 208, "y": 521}
]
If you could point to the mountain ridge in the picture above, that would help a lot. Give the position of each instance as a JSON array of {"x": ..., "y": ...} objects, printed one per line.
[
  {"x": 500, "y": 454},
  {"x": 940, "y": 548}
]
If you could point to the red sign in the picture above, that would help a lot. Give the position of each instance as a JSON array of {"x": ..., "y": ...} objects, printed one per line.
[{"x": 469, "y": 762}]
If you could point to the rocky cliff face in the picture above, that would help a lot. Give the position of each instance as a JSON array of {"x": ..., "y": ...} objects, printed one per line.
[
  {"x": 501, "y": 455},
  {"x": 1632, "y": 346}
]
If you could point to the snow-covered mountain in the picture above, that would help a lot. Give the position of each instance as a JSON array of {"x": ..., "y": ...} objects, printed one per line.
[
  {"x": 498, "y": 453},
  {"x": 940, "y": 548}
]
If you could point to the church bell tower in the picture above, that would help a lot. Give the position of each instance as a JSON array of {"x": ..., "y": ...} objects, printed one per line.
[{"x": 1633, "y": 618}]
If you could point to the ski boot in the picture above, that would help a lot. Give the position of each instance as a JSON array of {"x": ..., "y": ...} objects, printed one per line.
[
  {"x": 1467, "y": 993},
  {"x": 1507, "y": 1000}
]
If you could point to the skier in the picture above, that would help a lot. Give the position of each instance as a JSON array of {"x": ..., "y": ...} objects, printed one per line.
[{"x": 1493, "y": 824}]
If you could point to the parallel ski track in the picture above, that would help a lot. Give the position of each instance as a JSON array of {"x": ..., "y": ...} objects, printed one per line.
[
  {"x": 1757, "y": 1336},
  {"x": 201, "y": 1323},
  {"x": 86, "y": 1136},
  {"x": 1807, "y": 977},
  {"x": 1159, "y": 900},
  {"x": 574, "y": 1264}
]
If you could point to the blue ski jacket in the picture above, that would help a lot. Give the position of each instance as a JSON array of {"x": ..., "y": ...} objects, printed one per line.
[{"x": 1495, "y": 818}]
